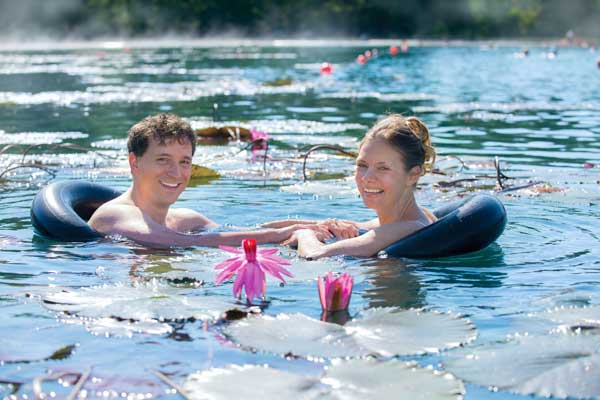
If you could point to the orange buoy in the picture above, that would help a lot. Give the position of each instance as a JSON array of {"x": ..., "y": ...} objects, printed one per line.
[
  {"x": 361, "y": 59},
  {"x": 394, "y": 50},
  {"x": 326, "y": 68}
]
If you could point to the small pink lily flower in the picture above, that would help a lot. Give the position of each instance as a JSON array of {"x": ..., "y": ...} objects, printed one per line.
[
  {"x": 250, "y": 267},
  {"x": 260, "y": 142},
  {"x": 255, "y": 134},
  {"x": 335, "y": 292}
]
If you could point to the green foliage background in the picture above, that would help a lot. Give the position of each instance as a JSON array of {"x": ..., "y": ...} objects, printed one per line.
[{"x": 469, "y": 19}]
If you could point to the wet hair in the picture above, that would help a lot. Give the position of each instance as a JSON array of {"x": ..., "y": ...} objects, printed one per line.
[
  {"x": 162, "y": 128},
  {"x": 409, "y": 136}
]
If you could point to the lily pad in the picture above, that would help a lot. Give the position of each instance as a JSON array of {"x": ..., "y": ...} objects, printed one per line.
[
  {"x": 573, "y": 317},
  {"x": 380, "y": 331},
  {"x": 348, "y": 380},
  {"x": 141, "y": 302},
  {"x": 120, "y": 328},
  {"x": 551, "y": 366},
  {"x": 398, "y": 380},
  {"x": 294, "y": 334},
  {"x": 199, "y": 171},
  {"x": 250, "y": 382},
  {"x": 279, "y": 82},
  {"x": 409, "y": 332}
]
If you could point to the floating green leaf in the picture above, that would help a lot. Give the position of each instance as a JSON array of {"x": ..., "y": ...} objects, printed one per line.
[{"x": 380, "y": 331}]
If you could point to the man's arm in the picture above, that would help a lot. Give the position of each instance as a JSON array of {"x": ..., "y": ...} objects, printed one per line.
[{"x": 131, "y": 223}]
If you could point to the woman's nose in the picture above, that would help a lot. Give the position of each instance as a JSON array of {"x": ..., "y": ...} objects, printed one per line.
[{"x": 368, "y": 175}]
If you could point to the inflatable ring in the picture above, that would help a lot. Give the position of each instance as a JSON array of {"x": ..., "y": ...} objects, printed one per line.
[
  {"x": 462, "y": 227},
  {"x": 61, "y": 209}
]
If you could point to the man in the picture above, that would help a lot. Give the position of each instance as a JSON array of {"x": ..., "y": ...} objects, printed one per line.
[{"x": 160, "y": 157}]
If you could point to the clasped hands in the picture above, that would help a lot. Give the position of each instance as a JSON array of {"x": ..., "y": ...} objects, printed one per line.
[{"x": 325, "y": 230}]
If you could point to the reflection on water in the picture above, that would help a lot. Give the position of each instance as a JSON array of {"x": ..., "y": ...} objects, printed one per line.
[
  {"x": 398, "y": 283},
  {"x": 394, "y": 284},
  {"x": 478, "y": 102}
]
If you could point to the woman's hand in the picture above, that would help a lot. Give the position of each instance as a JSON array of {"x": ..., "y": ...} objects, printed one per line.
[
  {"x": 319, "y": 231},
  {"x": 341, "y": 229},
  {"x": 314, "y": 232}
]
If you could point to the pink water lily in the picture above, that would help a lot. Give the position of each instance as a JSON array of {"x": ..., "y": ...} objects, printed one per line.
[
  {"x": 335, "y": 292},
  {"x": 259, "y": 143},
  {"x": 250, "y": 266},
  {"x": 255, "y": 135}
]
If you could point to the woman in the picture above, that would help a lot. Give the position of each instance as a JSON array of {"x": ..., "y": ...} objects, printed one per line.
[{"x": 392, "y": 157}]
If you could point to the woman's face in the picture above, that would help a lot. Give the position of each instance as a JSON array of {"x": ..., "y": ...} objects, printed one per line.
[{"x": 381, "y": 176}]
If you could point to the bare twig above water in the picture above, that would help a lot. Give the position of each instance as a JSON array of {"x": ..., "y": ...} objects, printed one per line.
[
  {"x": 37, "y": 385},
  {"x": 169, "y": 382},
  {"x": 339, "y": 149},
  {"x": 499, "y": 174},
  {"x": 26, "y": 149},
  {"x": 18, "y": 166},
  {"x": 79, "y": 384}
]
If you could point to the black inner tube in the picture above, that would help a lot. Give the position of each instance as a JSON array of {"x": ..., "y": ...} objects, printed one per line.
[{"x": 61, "y": 211}]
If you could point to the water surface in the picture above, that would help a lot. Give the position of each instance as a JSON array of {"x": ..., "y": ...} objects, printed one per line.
[{"x": 540, "y": 115}]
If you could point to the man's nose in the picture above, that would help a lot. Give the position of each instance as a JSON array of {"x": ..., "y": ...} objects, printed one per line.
[{"x": 174, "y": 170}]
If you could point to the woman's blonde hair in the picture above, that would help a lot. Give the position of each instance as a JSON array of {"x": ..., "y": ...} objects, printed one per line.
[{"x": 409, "y": 136}]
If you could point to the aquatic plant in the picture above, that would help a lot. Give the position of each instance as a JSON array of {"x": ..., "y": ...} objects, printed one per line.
[
  {"x": 250, "y": 267},
  {"x": 343, "y": 379},
  {"x": 259, "y": 145},
  {"x": 335, "y": 293},
  {"x": 384, "y": 332}
]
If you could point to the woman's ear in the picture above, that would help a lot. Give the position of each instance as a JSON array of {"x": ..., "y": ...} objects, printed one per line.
[{"x": 414, "y": 174}]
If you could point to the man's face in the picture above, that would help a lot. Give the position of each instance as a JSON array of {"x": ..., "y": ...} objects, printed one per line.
[{"x": 163, "y": 171}]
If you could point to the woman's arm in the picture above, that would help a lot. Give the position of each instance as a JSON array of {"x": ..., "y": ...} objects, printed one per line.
[
  {"x": 365, "y": 245},
  {"x": 372, "y": 224}
]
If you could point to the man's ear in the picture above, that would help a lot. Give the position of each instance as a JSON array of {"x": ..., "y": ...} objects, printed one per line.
[{"x": 133, "y": 163}]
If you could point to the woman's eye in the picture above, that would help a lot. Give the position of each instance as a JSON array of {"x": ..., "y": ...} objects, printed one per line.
[
  {"x": 162, "y": 160},
  {"x": 383, "y": 168},
  {"x": 361, "y": 166}
]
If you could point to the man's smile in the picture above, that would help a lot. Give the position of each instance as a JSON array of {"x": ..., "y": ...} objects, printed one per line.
[{"x": 170, "y": 185}]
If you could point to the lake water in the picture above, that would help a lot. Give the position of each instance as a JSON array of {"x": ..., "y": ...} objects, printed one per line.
[{"x": 143, "y": 311}]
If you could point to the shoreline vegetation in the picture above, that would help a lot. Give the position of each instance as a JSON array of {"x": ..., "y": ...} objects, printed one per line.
[{"x": 310, "y": 19}]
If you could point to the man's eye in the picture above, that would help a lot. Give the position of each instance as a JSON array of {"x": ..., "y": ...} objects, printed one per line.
[
  {"x": 162, "y": 160},
  {"x": 186, "y": 162},
  {"x": 361, "y": 166},
  {"x": 383, "y": 169}
]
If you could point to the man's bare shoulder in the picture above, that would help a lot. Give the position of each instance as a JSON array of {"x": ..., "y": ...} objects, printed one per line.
[
  {"x": 185, "y": 220},
  {"x": 112, "y": 213}
]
